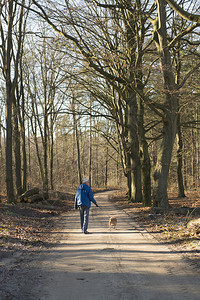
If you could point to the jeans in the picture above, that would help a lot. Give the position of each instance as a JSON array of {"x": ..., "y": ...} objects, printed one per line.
[{"x": 84, "y": 217}]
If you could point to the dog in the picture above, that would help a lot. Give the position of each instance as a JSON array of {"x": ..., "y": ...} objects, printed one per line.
[{"x": 112, "y": 222}]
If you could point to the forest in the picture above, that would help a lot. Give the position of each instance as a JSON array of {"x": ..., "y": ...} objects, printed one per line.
[{"x": 104, "y": 89}]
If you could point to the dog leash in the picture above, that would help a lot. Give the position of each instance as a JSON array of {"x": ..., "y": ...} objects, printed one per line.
[{"x": 98, "y": 207}]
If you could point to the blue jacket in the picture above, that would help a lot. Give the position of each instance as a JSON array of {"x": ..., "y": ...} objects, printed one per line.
[{"x": 84, "y": 196}]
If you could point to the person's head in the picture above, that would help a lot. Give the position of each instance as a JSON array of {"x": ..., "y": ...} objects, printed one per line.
[{"x": 86, "y": 181}]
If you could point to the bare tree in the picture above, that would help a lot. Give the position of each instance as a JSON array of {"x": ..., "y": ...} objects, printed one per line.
[
  {"x": 111, "y": 52},
  {"x": 77, "y": 139},
  {"x": 44, "y": 77},
  {"x": 169, "y": 108}
]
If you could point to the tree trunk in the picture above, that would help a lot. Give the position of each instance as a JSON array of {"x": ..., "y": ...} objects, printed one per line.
[
  {"x": 33, "y": 121},
  {"x": 0, "y": 137},
  {"x": 106, "y": 167},
  {"x": 97, "y": 161},
  {"x": 133, "y": 150},
  {"x": 144, "y": 152},
  {"x": 145, "y": 159},
  {"x": 45, "y": 183},
  {"x": 17, "y": 147},
  {"x": 160, "y": 197},
  {"x": 132, "y": 112},
  {"x": 9, "y": 161},
  {"x": 181, "y": 191},
  {"x": 22, "y": 123},
  {"x": 77, "y": 141},
  {"x": 9, "y": 104},
  {"x": 73, "y": 158},
  {"x": 194, "y": 162},
  {"x": 90, "y": 145},
  {"x": 51, "y": 152}
]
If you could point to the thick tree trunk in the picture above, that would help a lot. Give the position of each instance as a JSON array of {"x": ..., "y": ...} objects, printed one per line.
[
  {"x": 134, "y": 167},
  {"x": 129, "y": 146},
  {"x": 160, "y": 197},
  {"x": 133, "y": 150},
  {"x": 9, "y": 161},
  {"x": 145, "y": 159},
  {"x": 170, "y": 109},
  {"x": 144, "y": 152},
  {"x": 128, "y": 177}
]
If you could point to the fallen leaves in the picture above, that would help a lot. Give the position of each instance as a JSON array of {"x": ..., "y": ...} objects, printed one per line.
[
  {"x": 167, "y": 226},
  {"x": 25, "y": 227},
  {"x": 20, "y": 230}
]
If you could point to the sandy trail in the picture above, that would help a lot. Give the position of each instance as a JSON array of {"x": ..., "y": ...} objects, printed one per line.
[{"x": 126, "y": 263}]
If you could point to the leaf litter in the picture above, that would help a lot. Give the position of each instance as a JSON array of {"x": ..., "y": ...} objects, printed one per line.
[
  {"x": 169, "y": 227},
  {"x": 26, "y": 230}
]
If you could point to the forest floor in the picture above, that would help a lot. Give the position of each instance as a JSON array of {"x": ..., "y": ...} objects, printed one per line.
[
  {"x": 25, "y": 231},
  {"x": 169, "y": 227}
]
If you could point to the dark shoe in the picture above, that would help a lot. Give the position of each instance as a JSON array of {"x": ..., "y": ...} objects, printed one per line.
[{"x": 86, "y": 232}]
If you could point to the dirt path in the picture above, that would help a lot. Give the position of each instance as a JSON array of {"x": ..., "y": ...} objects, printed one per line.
[{"x": 126, "y": 263}]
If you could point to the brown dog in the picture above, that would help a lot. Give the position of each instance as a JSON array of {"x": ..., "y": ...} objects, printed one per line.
[{"x": 112, "y": 222}]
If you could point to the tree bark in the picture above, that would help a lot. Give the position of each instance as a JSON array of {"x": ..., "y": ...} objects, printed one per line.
[
  {"x": 181, "y": 190},
  {"x": 77, "y": 141},
  {"x": 106, "y": 168},
  {"x": 34, "y": 127},
  {"x": 184, "y": 14},
  {"x": 133, "y": 150},
  {"x": 9, "y": 105},
  {"x": 160, "y": 197},
  {"x": 145, "y": 159},
  {"x": 45, "y": 183},
  {"x": 23, "y": 135},
  {"x": 51, "y": 150},
  {"x": 144, "y": 152},
  {"x": 17, "y": 150},
  {"x": 90, "y": 144},
  {"x": 132, "y": 111}
]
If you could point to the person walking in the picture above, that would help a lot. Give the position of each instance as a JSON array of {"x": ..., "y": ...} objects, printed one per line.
[{"x": 84, "y": 197}]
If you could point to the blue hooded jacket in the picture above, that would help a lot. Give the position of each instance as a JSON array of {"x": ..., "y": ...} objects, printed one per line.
[{"x": 84, "y": 196}]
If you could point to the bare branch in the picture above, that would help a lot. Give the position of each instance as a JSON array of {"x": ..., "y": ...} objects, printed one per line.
[
  {"x": 183, "y": 33},
  {"x": 188, "y": 75},
  {"x": 184, "y": 14}
]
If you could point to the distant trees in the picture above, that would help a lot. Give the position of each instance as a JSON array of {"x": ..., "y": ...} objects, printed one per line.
[
  {"x": 44, "y": 80},
  {"x": 13, "y": 18},
  {"x": 127, "y": 40},
  {"x": 112, "y": 82}
]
